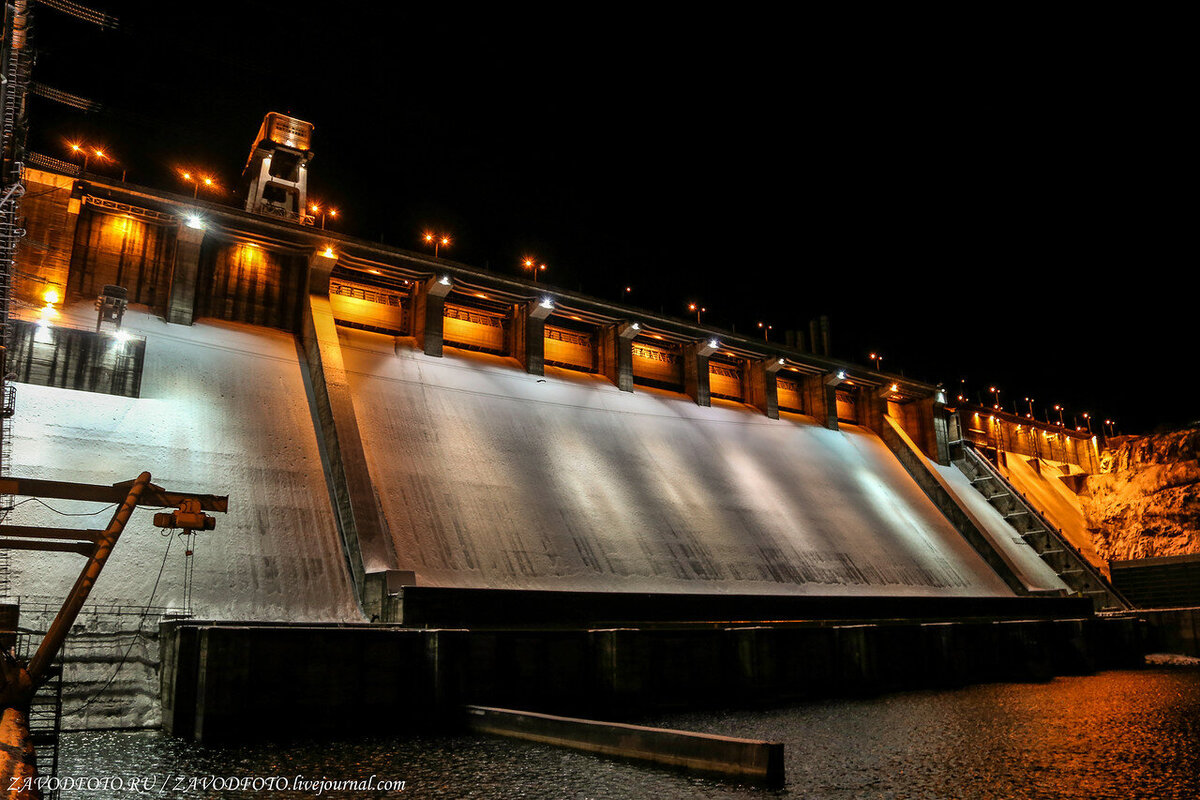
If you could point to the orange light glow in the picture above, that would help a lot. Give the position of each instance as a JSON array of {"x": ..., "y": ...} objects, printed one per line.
[{"x": 51, "y": 296}]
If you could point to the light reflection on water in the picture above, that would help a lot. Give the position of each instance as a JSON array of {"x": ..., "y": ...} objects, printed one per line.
[{"x": 1113, "y": 735}]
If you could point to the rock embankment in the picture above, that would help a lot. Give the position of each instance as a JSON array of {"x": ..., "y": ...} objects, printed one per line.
[{"x": 1146, "y": 501}]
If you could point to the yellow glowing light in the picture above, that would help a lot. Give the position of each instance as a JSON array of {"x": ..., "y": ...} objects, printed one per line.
[
  {"x": 187, "y": 176},
  {"x": 51, "y": 296},
  {"x": 481, "y": 296},
  {"x": 333, "y": 212},
  {"x": 328, "y": 252},
  {"x": 208, "y": 181},
  {"x": 48, "y": 313},
  {"x": 314, "y": 208},
  {"x": 76, "y": 148}
]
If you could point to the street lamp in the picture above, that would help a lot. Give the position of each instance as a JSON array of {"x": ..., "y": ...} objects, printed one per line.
[
  {"x": 438, "y": 240},
  {"x": 1109, "y": 424},
  {"x": 1030, "y": 401},
  {"x": 995, "y": 396},
  {"x": 876, "y": 357},
  {"x": 88, "y": 152},
  {"x": 316, "y": 209},
  {"x": 766, "y": 329},
  {"x": 698, "y": 309},
  {"x": 1059, "y": 409},
  {"x": 1088, "y": 419},
  {"x": 196, "y": 181},
  {"x": 531, "y": 264}
]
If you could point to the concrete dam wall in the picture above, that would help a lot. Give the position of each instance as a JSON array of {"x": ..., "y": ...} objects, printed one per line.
[
  {"x": 491, "y": 477},
  {"x": 223, "y": 410}
]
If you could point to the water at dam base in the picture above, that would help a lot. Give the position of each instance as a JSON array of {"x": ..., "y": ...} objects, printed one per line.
[{"x": 1117, "y": 734}]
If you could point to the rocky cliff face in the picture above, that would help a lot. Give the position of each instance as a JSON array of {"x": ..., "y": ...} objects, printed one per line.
[{"x": 1146, "y": 501}]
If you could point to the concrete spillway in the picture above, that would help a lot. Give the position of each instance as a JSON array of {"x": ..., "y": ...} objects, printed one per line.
[
  {"x": 490, "y": 477},
  {"x": 223, "y": 410}
]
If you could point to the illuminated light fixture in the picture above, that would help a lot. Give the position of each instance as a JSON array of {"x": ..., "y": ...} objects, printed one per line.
[
  {"x": 542, "y": 309},
  {"x": 782, "y": 362},
  {"x": 194, "y": 222},
  {"x": 895, "y": 387},
  {"x": 328, "y": 252},
  {"x": 440, "y": 287},
  {"x": 635, "y": 325},
  {"x": 481, "y": 295},
  {"x": 713, "y": 343},
  {"x": 51, "y": 296},
  {"x": 121, "y": 336},
  {"x": 841, "y": 375},
  {"x": 437, "y": 240}
]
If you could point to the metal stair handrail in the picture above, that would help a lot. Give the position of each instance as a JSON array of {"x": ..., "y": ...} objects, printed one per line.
[{"x": 993, "y": 472}]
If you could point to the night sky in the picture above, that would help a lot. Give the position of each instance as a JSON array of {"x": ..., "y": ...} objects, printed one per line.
[{"x": 989, "y": 199}]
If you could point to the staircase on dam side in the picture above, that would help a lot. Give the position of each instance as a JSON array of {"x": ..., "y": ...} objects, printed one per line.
[{"x": 1070, "y": 565}]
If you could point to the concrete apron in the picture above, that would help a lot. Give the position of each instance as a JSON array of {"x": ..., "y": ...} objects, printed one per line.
[{"x": 224, "y": 681}]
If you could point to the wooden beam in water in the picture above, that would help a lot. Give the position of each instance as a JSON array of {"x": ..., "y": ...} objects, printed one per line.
[{"x": 725, "y": 756}]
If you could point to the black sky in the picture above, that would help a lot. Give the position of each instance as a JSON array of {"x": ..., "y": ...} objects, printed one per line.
[{"x": 996, "y": 199}]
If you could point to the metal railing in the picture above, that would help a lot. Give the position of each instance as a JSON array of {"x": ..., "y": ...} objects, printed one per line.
[{"x": 1059, "y": 539}]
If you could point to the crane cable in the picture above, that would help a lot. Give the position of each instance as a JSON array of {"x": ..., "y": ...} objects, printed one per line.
[{"x": 136, "y": 635}]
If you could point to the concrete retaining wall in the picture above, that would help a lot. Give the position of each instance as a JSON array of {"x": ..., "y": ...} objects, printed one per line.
[{"x": 224, "y": 681}]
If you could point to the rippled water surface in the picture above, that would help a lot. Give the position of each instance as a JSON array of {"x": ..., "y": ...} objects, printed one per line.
[{"x": 1119, "y": 735}]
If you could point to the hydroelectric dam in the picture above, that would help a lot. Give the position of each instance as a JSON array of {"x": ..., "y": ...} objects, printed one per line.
[{"x": 449, "y": 486}]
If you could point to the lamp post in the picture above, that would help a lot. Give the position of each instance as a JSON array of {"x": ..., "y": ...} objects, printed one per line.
[
  {"x": 995, "y": 396},
  {"x": 698, "y": 309},
  {"x": 766, "y": 329},
  {"x": 1088, "y": 419},
  {"x": 317, "y": 209},
  {"x": 438, "y": 240},
  {"x": 1059, "y": 409},
  {"x": 532, "y": 265},
  {"x": 88, "y": 151},
  {"x": 876, "y": 357},
  {"x": 196, "y": 180}
]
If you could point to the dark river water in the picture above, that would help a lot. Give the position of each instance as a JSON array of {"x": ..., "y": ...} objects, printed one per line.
[{"x": 1119, "y": 735}]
